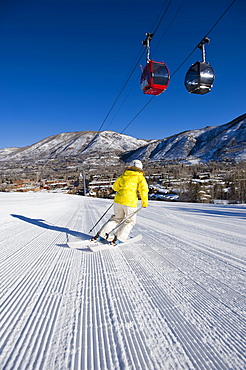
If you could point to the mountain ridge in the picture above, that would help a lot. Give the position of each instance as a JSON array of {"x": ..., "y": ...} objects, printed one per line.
[{"x": 212, "y": 143}]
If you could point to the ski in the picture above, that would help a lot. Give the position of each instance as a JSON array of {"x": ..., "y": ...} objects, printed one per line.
[
  {"x": 96, "y": 246},
  {"x": 86, "y": 242},
  {"x": 106, "y": 245}
]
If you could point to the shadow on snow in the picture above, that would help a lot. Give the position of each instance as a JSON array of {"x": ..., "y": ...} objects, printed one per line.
[{"x": 44, "y": 225}]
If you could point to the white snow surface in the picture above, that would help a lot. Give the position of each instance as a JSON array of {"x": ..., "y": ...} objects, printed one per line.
[{"x": 174, "y": 300}]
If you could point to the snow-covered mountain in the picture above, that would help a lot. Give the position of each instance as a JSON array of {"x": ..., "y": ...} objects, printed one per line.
[
  {"x": 84, "y": 144},
  {"x": 212, "y": 143},
  {"x": 6, "y": 152}
]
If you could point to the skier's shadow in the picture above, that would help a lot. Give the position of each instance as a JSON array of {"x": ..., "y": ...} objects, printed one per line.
[{"x": 44, "y": 225}]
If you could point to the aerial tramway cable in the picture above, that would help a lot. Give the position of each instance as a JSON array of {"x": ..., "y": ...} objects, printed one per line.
[
  {"x": 127, "y": 80},
  {"x": 214, "y": 25},
  {"x": 211, "y": 29},
  {"x": 135, "y": 64},
  {"x": 130, "y": 74},
  {"x": 155, "y": 75}
]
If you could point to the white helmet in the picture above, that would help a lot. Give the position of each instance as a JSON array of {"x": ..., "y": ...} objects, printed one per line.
[{"x": 137, "y": 163}]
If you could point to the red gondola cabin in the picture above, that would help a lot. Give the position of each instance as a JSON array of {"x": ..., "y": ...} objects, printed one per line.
[{"x": 155, "y": 78}]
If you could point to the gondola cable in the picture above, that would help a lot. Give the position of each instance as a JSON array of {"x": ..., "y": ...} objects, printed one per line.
[
  {"x": 211, "y": 29},
  {"x": 155, "y": 75},
  {"x": 135, "y": 64},
  {"x": 172, "y": 20},
  {"x": 142, "y": 109},
  {"x": 215, "y": 24},
  {"x": 126, "y": 82},
  {"x": 139, "y": 112},
  {"x": 163, "y": 15}
]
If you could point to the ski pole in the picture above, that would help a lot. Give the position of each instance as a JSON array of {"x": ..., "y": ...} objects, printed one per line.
[
  {"x": 123, "y": 221},
  {"x": 101, "y": 217}
]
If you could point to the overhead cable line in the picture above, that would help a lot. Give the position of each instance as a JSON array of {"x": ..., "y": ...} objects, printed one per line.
[
  {"x": 126, "y": 82},
  {"x": 114, "y": 103},
  {"x": 121, "y": 91},
  {"x": 163, "y": 15},
  {"x": 137, "y": 114},
  {"x": 215, "y": 24},
  {"x": 135, "y": 64},
  {"x": 141, "y": 110},
  {"x": 132, "y": 120},
  {"x": 172, "y": 20}
]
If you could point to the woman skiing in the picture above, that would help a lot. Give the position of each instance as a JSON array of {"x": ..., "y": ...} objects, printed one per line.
[{"x": 127, "y": 186}]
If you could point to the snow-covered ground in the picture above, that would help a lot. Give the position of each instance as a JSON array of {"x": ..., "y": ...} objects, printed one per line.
[{"x": 175, "y": 300}]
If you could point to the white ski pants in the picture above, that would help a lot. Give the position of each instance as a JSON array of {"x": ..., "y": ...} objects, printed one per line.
[{"x": 120, "y": 212}]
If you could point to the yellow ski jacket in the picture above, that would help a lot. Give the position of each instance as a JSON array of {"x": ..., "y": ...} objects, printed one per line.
[{"x": 129, "y": 185}]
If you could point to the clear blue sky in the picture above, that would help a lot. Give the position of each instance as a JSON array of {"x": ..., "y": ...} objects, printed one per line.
[{"x": 63, "y": 63}]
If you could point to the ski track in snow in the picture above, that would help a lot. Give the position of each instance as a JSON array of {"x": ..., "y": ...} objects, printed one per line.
[{"x": 175, "y": 300}]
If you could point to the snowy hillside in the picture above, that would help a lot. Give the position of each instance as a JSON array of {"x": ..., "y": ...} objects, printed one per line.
[
  {"x": 209, "y": 144},
  {"x": 175, "y": 300},
  {"x": 84, "y": 143},
  {"x": 7, "y": 152},
  {"x": 216, "y": 143}
]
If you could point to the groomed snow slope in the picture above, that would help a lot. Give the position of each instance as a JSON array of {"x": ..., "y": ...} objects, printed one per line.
[{"x": 175, "y": 300}]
